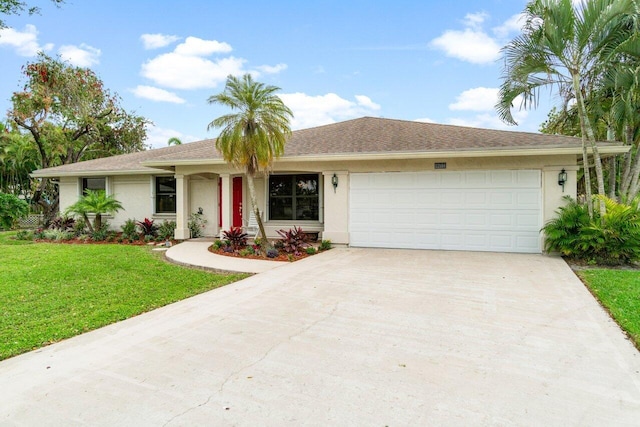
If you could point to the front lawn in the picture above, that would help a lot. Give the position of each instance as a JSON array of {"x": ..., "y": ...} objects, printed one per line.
[
  {"x": 49, "y": 291},
  {"x": 619, "y": 292}
]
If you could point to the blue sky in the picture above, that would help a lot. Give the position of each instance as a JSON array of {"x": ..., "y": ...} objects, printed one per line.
[{"x": 334, "y": 60}]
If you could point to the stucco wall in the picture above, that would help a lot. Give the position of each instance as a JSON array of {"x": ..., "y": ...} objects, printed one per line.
[{"x": 136, "y": 192}]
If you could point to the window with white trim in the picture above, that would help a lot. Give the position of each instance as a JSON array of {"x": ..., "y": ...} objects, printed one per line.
[
  {"x": 294, "y": 197},
  {"x": 94, "y": 183},
  {"x": 165, "y": 188}
]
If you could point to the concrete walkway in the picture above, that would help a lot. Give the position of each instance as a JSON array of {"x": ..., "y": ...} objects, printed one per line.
[
  {"x": 195, "y": 252},
  {"x": 348, "y": 337}
]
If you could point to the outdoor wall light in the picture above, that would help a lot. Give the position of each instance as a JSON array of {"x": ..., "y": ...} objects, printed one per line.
[
  {"x": 562, "y": 178},
  {"x": 334, "y": 182}
]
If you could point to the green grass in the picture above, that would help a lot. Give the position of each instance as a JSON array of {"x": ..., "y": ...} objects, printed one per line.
[
  {"x": 619, "y": 292},
  {"x": 49, "y": 292}
]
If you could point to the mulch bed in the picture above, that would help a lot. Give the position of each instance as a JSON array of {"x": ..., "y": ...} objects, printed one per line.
[{"x": 282, "y": 256}]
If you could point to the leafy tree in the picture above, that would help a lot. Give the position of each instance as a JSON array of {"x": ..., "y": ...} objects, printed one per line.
[
  {"x": 15, "y": 7},
  {"x": 70, "y": 117},
  {"x": 11, "y": 210},
  {"x": 566, "y": 47},
  {"x": 255, "y": 133},
  {"x": 18, "y": 158},
  {"x": 174, "y": 141},
  {"x": 96, "y": 203}
]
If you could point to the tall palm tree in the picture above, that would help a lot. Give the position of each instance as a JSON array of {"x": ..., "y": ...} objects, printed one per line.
[
  {"x": 255, "y": 133},
  {"x": 564, "y": 46},
  {"x": 97, "y": 203}
]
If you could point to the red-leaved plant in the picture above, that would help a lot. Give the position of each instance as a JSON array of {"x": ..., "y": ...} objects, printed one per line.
[
  {"x": 147, "y": 227},
  {"x": 236, "y": 237},
  {"x": 294, "y": 240}
]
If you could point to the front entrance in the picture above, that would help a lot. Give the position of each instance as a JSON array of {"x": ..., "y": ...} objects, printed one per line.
[
  {"x": 236, "y": 221},
  {"x": 236, "y": 201}
]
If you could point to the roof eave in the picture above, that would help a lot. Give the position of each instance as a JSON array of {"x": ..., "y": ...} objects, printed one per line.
[
  {"x": 621, "y": 149},
  {"x": 57, "y": 174}
]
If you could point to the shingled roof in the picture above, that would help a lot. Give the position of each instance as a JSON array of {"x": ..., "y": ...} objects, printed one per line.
[{"x": 353, "y": 138}]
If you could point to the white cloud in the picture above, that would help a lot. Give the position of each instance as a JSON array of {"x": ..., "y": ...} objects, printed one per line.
[
  {"x": 475, "y": 20},
  {"x": 469, "y": 45},
  {"x": 319, "y": 110},
  {"x": 473, "y": 44},
  {"x": 155, "y": 41},
  {"x": 158, "y": 137},
  {"x": 425, "y": 120},
  {"x": 81, "y": 56},
  {"x": 489, "y": 121},
  {"x": 188, "y": 67},
  {"x": 272, "y": 69},
  {"x": 194, "y": 46},
  {"x": 157, "y": 94},
  {"x": 510, "y": 26},
  {"x": 366, "y": 102},
  {"x": 24, "y": 42},
  {"x": 190, "y": 72},
  {"x": 476, "y": 99}
]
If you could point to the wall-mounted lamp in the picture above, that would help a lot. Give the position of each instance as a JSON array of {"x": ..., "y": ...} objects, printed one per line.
[
  {"x": 562, "y": 178},
  {"x": 334, "y": 182}
]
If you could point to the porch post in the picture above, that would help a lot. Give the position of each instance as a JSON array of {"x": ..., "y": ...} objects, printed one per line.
[
  {"x": 182, "y": 208},
  {"x": 226, "y": 201}
]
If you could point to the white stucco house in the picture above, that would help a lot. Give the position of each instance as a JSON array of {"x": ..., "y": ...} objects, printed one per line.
[{"x": 368, "y": 182}]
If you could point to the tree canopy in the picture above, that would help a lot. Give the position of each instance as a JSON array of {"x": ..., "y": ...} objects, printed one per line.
[
  {"x": 16, "y": 7},
  {"x": 567, "y": 47},
  {"x": 255, "y": 133},
  {"x": 69, "y": 116}
]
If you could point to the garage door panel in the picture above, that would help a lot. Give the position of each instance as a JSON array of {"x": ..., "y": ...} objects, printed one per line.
[{"x": 472, "y": 210}]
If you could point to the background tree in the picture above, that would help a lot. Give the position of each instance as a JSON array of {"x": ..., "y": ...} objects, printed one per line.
[
  {"x": 96, "y": 203},
  {"x": 70, "y": 117},
  {"x": 15, "y": 7},
  {"x": 255, "y": 133},
  {"x": 566, "y": 47},
  {"x": 18, "y": 158}
]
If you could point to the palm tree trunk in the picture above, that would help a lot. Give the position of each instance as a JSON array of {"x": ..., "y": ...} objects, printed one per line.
[
  {"x": 585, "y": 154},
  {"x": 256, "y": 210},
  {"x": 613, "y": 175},
  {"x": 626, "y": 172}
]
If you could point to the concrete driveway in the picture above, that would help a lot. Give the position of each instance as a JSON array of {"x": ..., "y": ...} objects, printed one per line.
[{"x": 348, "y": 337}]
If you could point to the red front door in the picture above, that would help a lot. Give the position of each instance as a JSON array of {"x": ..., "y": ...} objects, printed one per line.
[{"x": 237, "y": 202}]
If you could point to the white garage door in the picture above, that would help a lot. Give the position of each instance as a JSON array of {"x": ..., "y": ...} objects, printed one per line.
[{"x": 469, "y": 210}]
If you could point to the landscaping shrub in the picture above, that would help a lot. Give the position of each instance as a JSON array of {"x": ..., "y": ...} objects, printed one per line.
[
  {"x": 24, "y": 235},
  {"x": 79, "y": 227},
  {"x": 236, "y": 237},
  {"x": 272, "y": 253},
  {"x": 311, "y": 250},
  {"x": 610, "y": 239},
  {"x": 130, "y": 230},
  {"x": 293, "y": 240},
  {"x": 101, "y": 234},
  {"x": 63, "y": 223},
  {"x": 147, "y": 227},
  {"x": 325, "y": 245},
  {"x": 196, "y": 224},
  {"x": 167, "y": 229},
  {"x": 56, "y": 235}
]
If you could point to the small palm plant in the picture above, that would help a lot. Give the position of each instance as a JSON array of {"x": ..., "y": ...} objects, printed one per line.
[{"x": 97, "y": 203}]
